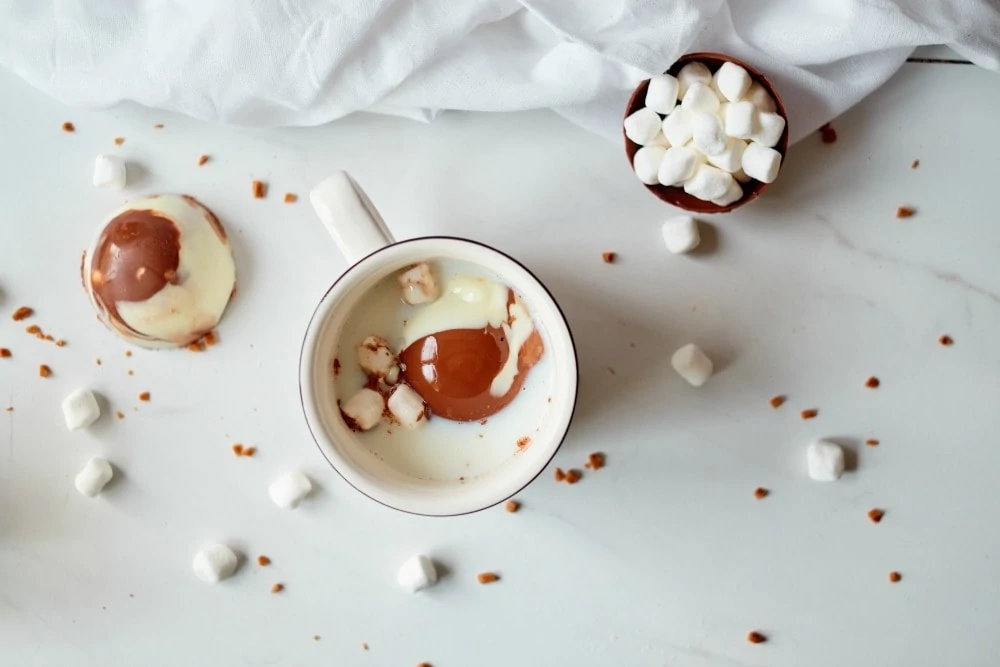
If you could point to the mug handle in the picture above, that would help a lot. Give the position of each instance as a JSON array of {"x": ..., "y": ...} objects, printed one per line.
[{"x": 350, "y": 217}]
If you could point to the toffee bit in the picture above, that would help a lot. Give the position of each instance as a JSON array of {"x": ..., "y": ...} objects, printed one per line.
[
  {"x": 560, "y": 475},
  {"x": 263, "y": 561},
  {"x": 810, "y": 413},
  {"x": 119, "y": 141},
  {"x": 68, "y": 127},
  {"x": 871, "y": 442},
  {"x": 512, "y": 506},
  {"x": 894, "y": 577},
  {"x": 777, "y": 401},
  {"x": 760, "y": 492},
  {"x": 946, "y": 340},
  {"x": 144, "y": 396},
  {"x": 573, "y": 476},
  {"x": 277, "y": 588},
  {"x": 487, "y": 577},
  {"x": 755, "y": 637},
  {"x": 291, "y": 197},
  {"x": 202, "y": 159},
  {"x": 238, "y": 449},
  {"x": 44, "y": 371},
  {"x": 609, "y": 257},
  {"x": 249, "y": 451},
  {"x": 5, "y": 353},
  {"x": 875, "y": 515},
  {"x": 872, "y": 382},
  {"x": 904, "y": 212},
  {"x": 914, "y": 164},
  {"x": 259, "y": 189},
  {"x": 595, "y": 461},
  {"x": 22, "y": 313}
]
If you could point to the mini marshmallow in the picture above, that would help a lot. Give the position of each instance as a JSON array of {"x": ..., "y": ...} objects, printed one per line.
[
  {"x": 692, "y": 364},
  {"x": 732, "y": 81},
  {"x": 417, "y": 573},
  {"x": 825, "y": 460},
  {"x": 290, "y": 489},
  {"x": 761, "y": 163},
  {"x": 733, "y": 194},
  {"x": 678, "y": 165},
  {"x": 731, "y": 158},
  {"x": 691, "y": 73},
  {"x": 769, "y": 129},
  {"x": 701, "y": 98},
  {"x": 740, "y": 119},
  {"x": 80, "y": 409},
  {"x": 407, "y": 406},
  {"x": 375, "y": 356},
  {"x": 109, "y": 172},
  {"x": 661, "y": 95},
  {"x": 418, "y": 284},
  {"x": 363, "y": 410},
  {"x": 214, "y": 563},
  {"x": 642, "y": 126},
  {"x": 677, "y": 127},
  {"x": 707, "y": 134},
  {"x": 647, "y": 162},
  {"x": 94, "y": 477},
  {"x": 680, "y": 234},
  {"x": 708, "y": 182},
  {"x": 760, "y": 98}
]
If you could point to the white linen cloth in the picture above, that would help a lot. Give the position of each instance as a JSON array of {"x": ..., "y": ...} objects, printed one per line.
[{"x": 306, "y": 62}]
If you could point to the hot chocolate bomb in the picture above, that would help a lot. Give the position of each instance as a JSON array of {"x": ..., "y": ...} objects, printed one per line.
[{"x": 160, "y": 272}]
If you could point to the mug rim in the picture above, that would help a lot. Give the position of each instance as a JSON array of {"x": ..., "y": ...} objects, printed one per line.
[{"x": 439, "y": 237}]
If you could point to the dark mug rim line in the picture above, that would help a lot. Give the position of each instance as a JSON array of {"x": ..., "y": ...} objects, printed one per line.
[{"x": 562, "y": 314}]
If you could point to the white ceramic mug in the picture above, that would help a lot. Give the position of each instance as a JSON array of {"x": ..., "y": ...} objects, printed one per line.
[{"x": 366, "y": 242}]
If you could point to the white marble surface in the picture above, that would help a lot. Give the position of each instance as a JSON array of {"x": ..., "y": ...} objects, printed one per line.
[{"x": 662, "y": 558}]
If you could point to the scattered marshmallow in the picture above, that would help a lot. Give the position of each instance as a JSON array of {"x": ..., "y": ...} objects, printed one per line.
[
  {"x": 290, "y": 489},
  {"x": 731, "y": 158},
  {"x": 733, "y": 194},
  {"x": 769, "y": 128},
  {"x": 661, "y": 95},
  {"x": 708, "y": 182},
  {"x": 691, "y": 73},
  {"x": 375, "y": 356},
  {"x": 80, "y": 409},
  {"x": 418, "y": 284},
  {"x": 692, "y": 364},
  {"x": 681, "y": 234},
  {"x": 417, "y": 573},
  {"x": 94, "y": 477},
  {"x": 761, "y": 162},
  {"x": 647, "y": 162},
  {"x": 760, "y": 98},
  {"x": 825, "y": 461},
  {"x": 732, "y": 81},
  {"x": 214, "y": 563},
  {"x": 407, "y": 406},
  {"x": 364, "y": 409},
  {"x": 677, "y": 127},
  {"x": 109, "y": 172},
  {"x": 701, "y": 98},
  {"x": 740, "y": 119},
  {"x": 707, "y": 134},
  {"x": 642, "y": 126},
  {"x": 678, "y": 165}
]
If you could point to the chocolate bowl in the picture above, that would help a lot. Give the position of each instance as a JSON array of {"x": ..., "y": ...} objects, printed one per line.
[{"x": 674, "y": 195}]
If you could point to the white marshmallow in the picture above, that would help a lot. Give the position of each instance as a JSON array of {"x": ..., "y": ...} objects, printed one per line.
[
  {"x": 731, "y": 158},
  {"x": 109, "y": 172},
  {"x": 94, "y": 477},
  {"x": 707, "y": 134},
  {"x": 732, "y": 81},
  {"x": 214, "y": 563},
  {"x": 680, "y": 234},
  {"x": 407, "y": 406},
  {"x": 677, "y": 127},
  {"x": 647, "y": 162},
  {"x": 417, "y": 573},
  {"x": 642, "y": 126},
  {"x": 678, "y": 165},
  {"x": 692, "y": 364},
  {"x": 760, "y": 98},
  {"x": 761, "y": 162},
  {"x": 418, "y": 284},
  {"x": 290, "y": 489},
  {"x": 768, "y": 128},
  {"x": 733, "y": 194},
  {"x": 691, "y": 73},
  {"x": 825, "y": 461},
  {"x": 701, "y": 98},
  {"x": 708, "y": 182},
  {"x": 375, "y": 356},
  {"x": 364, "y": 409},
  {"x": 80, "y": 409},
  {"x": 740, "y": 119},
  {"x": 661, "y": 96}
]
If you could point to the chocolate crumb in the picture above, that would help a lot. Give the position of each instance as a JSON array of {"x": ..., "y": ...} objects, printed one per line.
[
  {"x": 595, "y": 461},
  {"x": 97, "y": 361},
  {"x": 871, "y": 442},
  {"x": 364, "y": 646},
  {"x": 487, "y": 577},
  {"x": 119, "y": 141},
  {"x": 120, "y": 414},
  {"x": 424, "y": 664},
  {"x": 249, "y": 451},
  {"x": 573, "y": 476},
  {"x": 68, "y": 127},
  {"x": 904, "y": 212},
  {"x": 512, "y": 506},
  {"x": 202, "y": 159},
  {"x": 914, "y": 164},
  {"x": 875, "y": 515},
  {"x": 130, "y": 372},
  {"x": 128, "y": 353},
  {"x": 894, "y": 577},
  {"x": 22, "y": 313},
  {"x": 5, "y": 353},
  {"x": 609, "y": 257},
  {"x": 196, "y": 346},
  {"x": 9, "y": 408},
  {"x": 760, "y": 492},
  {"x": 827, "y": 134},
  {"x": 259, "y": 189},
  {"x": 777, "y": 401},
  {"x": 238, "y": 449},
  {"x": 263, "y": 561},
  {"x": 44, "y": 371},
  {"x": 144, "y": 396},
  {"x": 210, "y": 339},
  {"x": 522, "y": 442},
  {"x": 315, "y": 638},
  {"x": 158, "y": 126},
  {"x": 34, "y": 330},
  {"x": 291, "y": 197},
  {"x": 872, "y": 382},
  {"x": 560, "y": 475},
  {"x": 277, "y": 588},
  {"x": 60, "y": 343},
  {"x": 810, "y": 413},
  {"x": 946, "y": 340},
  {"x": 755, "y": 637}
]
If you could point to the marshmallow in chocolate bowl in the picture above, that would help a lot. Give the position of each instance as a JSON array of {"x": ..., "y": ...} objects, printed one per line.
[{"x": 160, "y": 272}]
